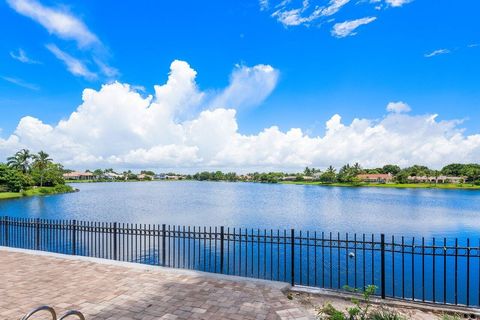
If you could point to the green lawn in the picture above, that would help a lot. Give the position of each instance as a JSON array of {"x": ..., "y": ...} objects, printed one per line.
[
  {"x": 10, "y": 195},
  {"x": 37, "y": 192},
  {"x": 389, "y": 185}
]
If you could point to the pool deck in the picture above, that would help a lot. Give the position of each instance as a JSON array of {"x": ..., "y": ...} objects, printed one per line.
[
  {"x": 103, "y": 289},
  {"x": 106, "y": 289}
]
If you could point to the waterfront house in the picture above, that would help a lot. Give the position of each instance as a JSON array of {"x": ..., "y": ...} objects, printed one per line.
[
  {"x": 316, "y": 175},
  {"x": 75, "y": 175},
  {"x": 143, "y": 176},
  {"x": 439, "y": 179},
  {"x": 376, "y": 177},
  {"x": 112, "y": 176}
]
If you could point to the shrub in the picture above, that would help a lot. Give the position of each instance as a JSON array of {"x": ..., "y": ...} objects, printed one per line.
[
  {"x": 11, "y": 179},
  {"x": 450, "y": 317},
  {"x": 385, "y": 314},
  {"x": 360, "y": 309},
  {"x": 59, "y": 188}
]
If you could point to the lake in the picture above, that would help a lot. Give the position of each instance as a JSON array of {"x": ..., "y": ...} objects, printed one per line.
[{"x": 419, "y": 212}]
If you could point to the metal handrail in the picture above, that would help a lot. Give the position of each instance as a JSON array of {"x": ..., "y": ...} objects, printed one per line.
[
  {"x": 73, "y": 313},
  {"x": 53, "y": 314},
  {"x": 42, "y": 308}
]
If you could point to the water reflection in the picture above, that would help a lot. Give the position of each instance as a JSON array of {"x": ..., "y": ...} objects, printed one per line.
[{"x": 451, "y": 213}]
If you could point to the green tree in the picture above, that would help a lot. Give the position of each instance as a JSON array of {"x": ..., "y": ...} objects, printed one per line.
[
  {"x": 402, "y": 177},
  {"x": 98, "y": 172},
  {"x": 357, "y": 168},
  {"x": 473, "y": 175},
  {"x": 308, "y": 172},
  {"x": 41, "y": 162},
  {"x": 329, "y": 176},
  {"x": 12, "y": 180},
  {"x": 391, "y": 168},
  {"x": 50, "y": 177},
  {"x": 20, "y": 161}
]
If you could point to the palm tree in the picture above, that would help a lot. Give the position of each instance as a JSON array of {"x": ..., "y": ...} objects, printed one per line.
[
  {"x": 331, "y": 169},
  {"x": 20, "y": 161},
  {"x": 357, "y": 167},
  {"x": 41, "y": 162}
]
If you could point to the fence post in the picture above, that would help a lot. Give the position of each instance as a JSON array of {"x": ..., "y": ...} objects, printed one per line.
[
  {"x": 163, "y": 244},
  {"x": 115, "y": 241},
  {"x": 222, "y": 237},
  {"x": 37, "y": 234},
  {"x": 74, "y": 237},
  {"x": 382, "y": 255},
  {"x": 6, "y": 231},
  {"x": 292, "y": 239}
]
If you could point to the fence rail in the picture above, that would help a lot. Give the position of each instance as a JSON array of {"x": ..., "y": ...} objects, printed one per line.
[{"x": 442, "y": 271}]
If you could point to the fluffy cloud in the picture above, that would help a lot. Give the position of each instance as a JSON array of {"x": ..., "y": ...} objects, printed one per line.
[
  {"x": 117, "y": 126},
  {"x": 347, "y": 28},
  {"x": 398, "y": 107},
  {"x": 248, "y": 87}
]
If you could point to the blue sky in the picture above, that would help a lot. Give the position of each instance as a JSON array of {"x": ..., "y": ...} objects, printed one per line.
[{"x": 423, "y": 53}]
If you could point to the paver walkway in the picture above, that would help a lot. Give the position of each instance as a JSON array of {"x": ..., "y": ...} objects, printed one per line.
[{"x": 127, "y": 291}]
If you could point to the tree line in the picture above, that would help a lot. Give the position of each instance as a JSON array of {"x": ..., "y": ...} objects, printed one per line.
[
  {"x": 348, "y": 174},
  {"x": 25, "y": 170}
]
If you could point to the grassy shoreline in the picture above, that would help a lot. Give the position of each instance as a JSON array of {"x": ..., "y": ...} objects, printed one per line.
[
  {"x": 40, "y": 191},
  {"x": 444, "y": 186}
]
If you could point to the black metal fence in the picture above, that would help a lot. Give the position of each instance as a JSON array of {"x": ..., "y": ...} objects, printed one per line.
[{"x": 435, "y": 270}]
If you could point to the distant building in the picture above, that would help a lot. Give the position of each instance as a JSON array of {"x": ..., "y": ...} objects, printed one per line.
[
  {"x": 289, "y": 178},
  {"x": 75, "y": 175},
  {"x": 112, "y": 176},
  {"x": 143, "y": 176},
  {"x": 439, "y": 179},
  {"x": 317, "y": 175},
  {"x": 376, "y": 177}
]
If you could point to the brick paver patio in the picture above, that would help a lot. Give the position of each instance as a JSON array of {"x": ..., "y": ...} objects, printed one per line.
[{"x": 117, "y": 291}]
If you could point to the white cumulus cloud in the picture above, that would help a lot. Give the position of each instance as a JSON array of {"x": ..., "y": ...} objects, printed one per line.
[
  {"x": 347, "y": 28},
  {"x": 118, "y": 127},
  {"x": 248, "y": 87},
  {"x": 398, "y": 107}
]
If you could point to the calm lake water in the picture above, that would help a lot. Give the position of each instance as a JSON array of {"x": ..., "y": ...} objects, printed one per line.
[{"x": 449, "y": 213}]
